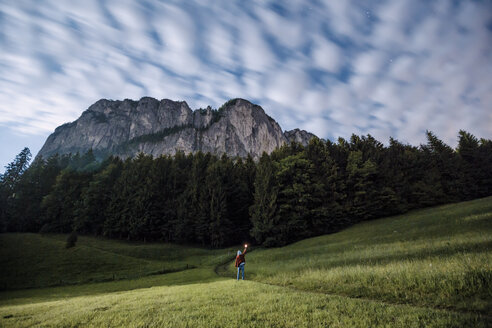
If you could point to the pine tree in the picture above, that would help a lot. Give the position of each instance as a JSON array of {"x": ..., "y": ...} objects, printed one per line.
[
  {"x": 95, "y": 199},
  {"x": 442, "y": 167},
  {"x": 162, "y": 209},
  {"x": 263, "y": 212},
  {"x": 220, "y": 226},
  {"x": 9, "y": 182},
  {"x": 471, "y": 168},
  {"x": 194, "y": 202},
  {"x": 30, "y": 191},
  {"x": 60, "y": 204},
  {"x": 360, "y": 186},
  {"x": 117, "y": 212},
  {"x": 239, "y": 190},
  {"x": 326, "y": 215},
  {"x": 294, "y": 199},
  {"x": 484, "y": 158},
  {"x": 128, "y": 211},
  {"x": 182, "y": 224}
]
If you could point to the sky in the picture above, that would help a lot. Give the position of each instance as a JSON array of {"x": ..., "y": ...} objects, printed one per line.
[{"x": 335, "y": 68}]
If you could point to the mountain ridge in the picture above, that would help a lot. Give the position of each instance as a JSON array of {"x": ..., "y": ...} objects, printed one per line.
[{"x": 127, "y": 127}]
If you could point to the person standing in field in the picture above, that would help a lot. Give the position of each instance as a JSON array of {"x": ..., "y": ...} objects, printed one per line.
[{"x": 241, "y": 261}]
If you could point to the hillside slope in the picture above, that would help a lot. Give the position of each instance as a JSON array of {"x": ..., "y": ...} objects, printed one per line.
[
  {"x": 427, "y": 268},
  {"x": 34, "y": 261},
  {"x": 439, "y": 257}
]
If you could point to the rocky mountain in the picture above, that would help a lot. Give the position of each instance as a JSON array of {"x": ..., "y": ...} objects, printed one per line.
[{"x": 126, "y": 128}]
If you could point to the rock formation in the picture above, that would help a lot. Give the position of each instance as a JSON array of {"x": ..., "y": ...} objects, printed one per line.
[{"x": 126, "y": 128}]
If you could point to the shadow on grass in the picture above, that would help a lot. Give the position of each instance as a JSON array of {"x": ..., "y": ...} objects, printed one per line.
[{"x": 190, "y": 276}]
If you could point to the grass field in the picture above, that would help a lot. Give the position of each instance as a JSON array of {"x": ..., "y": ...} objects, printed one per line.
[
  {"x": 440, "y": 257},
  {"x": 427, "y": 268},
  {"x": 33, "y": 261}
]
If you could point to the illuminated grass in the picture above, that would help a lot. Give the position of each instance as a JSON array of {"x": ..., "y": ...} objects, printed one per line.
[
  {"x": 440, "y": 257},
  {"x": 225, "y": 304},
  {"x": 26, "y": 296}
]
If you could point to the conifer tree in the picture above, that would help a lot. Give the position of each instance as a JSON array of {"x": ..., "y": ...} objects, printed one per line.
[
  {"x": 163, "y": 210},
  {"x": 30, "y": 192},
  {"x": 263, "y": 212},
  {"x": 471, "y": 168},
  {"x": 361, "y": 192},
  {"x": 8, "y": 187},
  {"x": 182, "y": 224},
  {"x": 60, "y": 204},
  {"x": 220, "y": 226},
  {"x": 92, "y": 208},
  {"x": 327, "y": 215}
]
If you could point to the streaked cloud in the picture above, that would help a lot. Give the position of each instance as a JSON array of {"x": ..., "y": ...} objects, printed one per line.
[{"x": 389, "y": 68}]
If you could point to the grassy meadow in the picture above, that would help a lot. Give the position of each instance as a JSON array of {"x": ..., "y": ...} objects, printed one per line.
[
  {"x": 49, "y": 263},
  {"x": 439, "y": 257},
  {"x": 225, "y": 303},
  {"x": 429, "y": 268}
]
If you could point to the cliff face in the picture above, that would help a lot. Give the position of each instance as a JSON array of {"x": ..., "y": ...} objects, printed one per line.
[
  {"x": 299, "y": 136},
  {"x": 126, "y": 128}
]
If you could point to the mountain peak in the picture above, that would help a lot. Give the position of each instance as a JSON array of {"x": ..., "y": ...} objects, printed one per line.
[
  {"x": 126, "y": 128},
  {"x": 299, "y": 136}
]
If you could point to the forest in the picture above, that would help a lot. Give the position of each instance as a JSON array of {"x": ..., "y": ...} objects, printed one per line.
[{"x": 291, "y": 194}]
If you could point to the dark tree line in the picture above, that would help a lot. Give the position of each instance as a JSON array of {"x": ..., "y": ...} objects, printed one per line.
[{"x": 296, "y": 192}]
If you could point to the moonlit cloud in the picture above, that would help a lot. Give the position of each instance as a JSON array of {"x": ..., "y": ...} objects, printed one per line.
[
  {"x": 255, "y": 52},
  {"x": 388, "y": 68},
  {"x": 288, "y": 32},
  {"x": 327, "y": 55}
]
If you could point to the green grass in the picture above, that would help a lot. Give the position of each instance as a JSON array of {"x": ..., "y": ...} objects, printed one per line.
[
  {"x": 34, "y": 261},
  {"x": 174, "y": 256},
  {"x": 439, "y": 257},
  {"x": 427, "y": 268},
  {"x": 187, "y": 277},
  {"x": 225, "y": 304}
]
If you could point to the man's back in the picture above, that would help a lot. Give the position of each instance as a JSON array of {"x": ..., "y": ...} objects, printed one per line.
[{"x": 240, "y": 259}]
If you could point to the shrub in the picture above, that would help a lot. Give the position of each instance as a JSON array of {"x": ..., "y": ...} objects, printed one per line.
[{"x": 71, "y": 240}]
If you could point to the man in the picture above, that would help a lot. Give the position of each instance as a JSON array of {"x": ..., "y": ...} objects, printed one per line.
[{"x": 240, "y": 261}]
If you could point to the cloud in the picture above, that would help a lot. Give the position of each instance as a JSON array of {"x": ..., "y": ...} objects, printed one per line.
[
  {"x": 287, "y": 31},
  {"x": 286, "y": 85},
  {"x": 176, "y": 29},
  {"x": 254, "y": 85},
  {"x": 317, "y": 125},
  {"x": 333, "y": 67},
  {"x": 255, "y": 52},
  {"x": 403, "y": 69},
  {"x": 369, "y": 62},
  {"x": 344, "y": 17},
  {"x": 327, "y": 55},
  {"x": 220, "y": 43}
]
